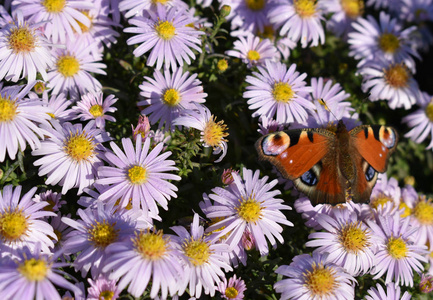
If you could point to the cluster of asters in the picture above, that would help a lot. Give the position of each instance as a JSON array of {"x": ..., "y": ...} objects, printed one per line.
[{"x": 51, "y": 102}]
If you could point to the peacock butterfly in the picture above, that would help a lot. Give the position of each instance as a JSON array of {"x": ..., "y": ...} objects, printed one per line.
[{"x": 327, "y": 166}]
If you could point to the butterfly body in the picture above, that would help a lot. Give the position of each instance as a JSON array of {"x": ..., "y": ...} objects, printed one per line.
[{"x": 328, "y": 166}]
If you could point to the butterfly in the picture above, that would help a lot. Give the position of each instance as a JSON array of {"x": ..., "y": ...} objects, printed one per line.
[{"x": 327, "y": 166}]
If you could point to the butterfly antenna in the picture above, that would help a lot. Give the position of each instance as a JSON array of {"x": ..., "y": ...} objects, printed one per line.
[{"x": 323, "y": 103}]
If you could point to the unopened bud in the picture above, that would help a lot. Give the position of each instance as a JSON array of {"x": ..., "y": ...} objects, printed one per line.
[{"x": 225, "y": 11}]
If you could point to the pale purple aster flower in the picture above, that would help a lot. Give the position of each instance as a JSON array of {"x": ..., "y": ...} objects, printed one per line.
[
  {"x": 421, "y": 120},
  {"x": 421, "y": 215},
  {"x": 102, "y": 288},
  {"x": 148, "y": 258},
  {"x": 138, "y": 175},
  {"x": 249, "y": 203},
  {"x": 132, "y": 8},
  {"x": 143, "y": 128},
  {"x": 397, "y": 255},
  {"x": 348, "y": 240},
  {"x": 385, "y": 196},
  {"x": 384, "y": 40},
  {"x": 19, "y": 120},
  {"x": 96, "y": 229},
  {"x": 344, "y": 13},
  {"x": 33, "y": 274},
  {"x": 202, "y": 258},
  {"x": 61, "y": 230},
  {"x": 278, "y": 91},
  {"x": 58, "y": 105},
  {"x": 233, "y": 289},
  {"x": 253, "y": 51},
  {"x": 300, "y": 20},
  {"x": 22, "y": 222},
  {"x": 72, "y": 71},
  {"x": 305, "y": 275},
  {"x": 61, "y": 19},
  {"x": 212, "y": 134},
  {"x": 25, "y": 51},
  {"x": 389, "y": 81},
  {"x": 71, "y": 155},
  {"x": 159, "y": 136},
  {"x": 93, "y": 106},
  {"x": 167, "y": 35},
  {"x": 426, "y": 284},
  {"x": 54, "y": 200},
  {"x": 268, "y": 125},
  {"x": 393, "y": 292},
  {"x": 419, "y": 12},
  {"x": 167, "y": 95}
]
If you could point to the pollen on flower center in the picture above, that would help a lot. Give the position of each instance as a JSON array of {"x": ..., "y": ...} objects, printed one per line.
[
  {"x": 54, "y": 6},
  {"x": 108, "y": 295},
  {"x": 428, "y": 111},
  {"x": 423, "y": 212},
  {"x": 397, "y": 75},
  {"x": 163, "y": 2},
  {"x": 397, "y": 247},
  {"x": 165, "y": 30},
  {"x": 197, "y": 251},
  {"x": 255, "y": 5},
  {"x": 253, "y": 55},
  {"x": 407, "y": 210},
  {"x": 137, "y": 175},
  {"x": 22, "y": 39},
  {"x": 96, "y": 110},
  {"x": 79, "y": 147},
  {"x": 8, "y": 109},
  {"x": 282, "y": 92},
  {"x": 34, "y": 269},
  {"x": 214, "y": 132},
  {"x": 353, "y": 237},
  {"x": 268, "y": 33},
  {"x": 353, "y": 8},
  {"x": 102, "y": 234},
  {"x": 68, "y": 65},
  {"x": 249, "y": 209},
  {"x": 231, "y": 292},
  {"x": 150, "y": 245},
  {"x": 171, "y": 97},
  {"x": 13, "y": 225},
  {"x": 320, "y": 281},
  {"x": 389, "y": 43},
  {"x": 380, "y": 200},
  {"x": 305, "y": 8}
]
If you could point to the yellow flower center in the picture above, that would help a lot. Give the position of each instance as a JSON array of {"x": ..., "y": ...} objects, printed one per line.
[
  {"x": 34, "y": 269},
  {"x": 397, "y": 248},
  {"x": 389, "y": 43},
  {"x": 249, "y": 209},
  {"x": 428, "y": 111},
  {"x": 282, "y": 92},
  {"x": 214, "y": 133},
  {"x": 137, "y": 175},
  {"x": 320, "y": 281},
  {"x": 163, "y": 2},
  {"x": 305, "y": 8},
  {"x": 353, "y": 8},
  {"x": 102, "y": 234},
  {"x": 68, "y": 65},
  {"x": 380, "y": 200},
  {"x": 197, "y": 251},
  {"x": 171, "y": 97},
  {"x": 8, "y": 109},
  {"x": 150, "y": 245},
  {"x": 231, "y": 292},
  {"x": 397, "y": 75},
  {"x": 96, "y": 110},
  {"x": 79, "y": 147},
  {"x": 83, "y": 27},
  {"x": 54, "y": 6},
  {"x": 165, "y": 30},
  {"x": 52, "y": 115},
  {"x": 255, "y": 5},
  {"x": 268, "y": 33},
  {"x": 13, "y": 225},
  {"x": 222, "y": 65},
  {"x": 106, "y": 295},
  {"x": 407, "y": 210},
  {"x": 253, "y": 55},
  {"x": 423, "y": 212},
  {"x": 39, "y": 87},
  {"x": 353, "y": 237},
  {"x": 22, "y": 39}
]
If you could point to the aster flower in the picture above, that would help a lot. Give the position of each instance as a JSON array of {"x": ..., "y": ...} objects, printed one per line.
[
  {"x": 54, "y": 200},
  {"x": 421, "y": 215},
  {"x": 397, "y": 255},
  {"x": 253, "y": 51},
  {"x": 234, "y": 289},
  {"x": 58, "y": 105},
  {"x": 421, "y": 121},
  {"x": 102, "y": 288},
  {"x": 419, "y": 12},
  {"x": 385, "y": 196},
  {"x": 25, "y": 51},
  {"x": 393, "y": 292},
  {"x": 268, "y": 125},
  {"x": 212, "y": 134},
  {"x": 93, "y": 106},
  {"x": 61, "y": 18},
  {"x": 167, "y": 35},
  {"x": 276, "y": 91},
  {"x": 149, "y": 257},
  {"x": 226, "y": 177},
  {"x": 426, "y": 284},
  {"x": 344, "y": 13},
  {"x": 32, "y": 274},
  {"x": 22, "y": 223},
  {"x": 249, "y": 203},
  {"x": 137, "y": 175},
  {"x": 19, "y": 120},
  {"x": 136, "y": 7},
  {"x": 314, "y": 278},
  {"x": 71, "y": 155},
  {"x": 167, "y": 95},
  {"x": 143, "y": 128},
  {"x": 300, "y": 20},
  {"x": 202, "y": 258}
]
